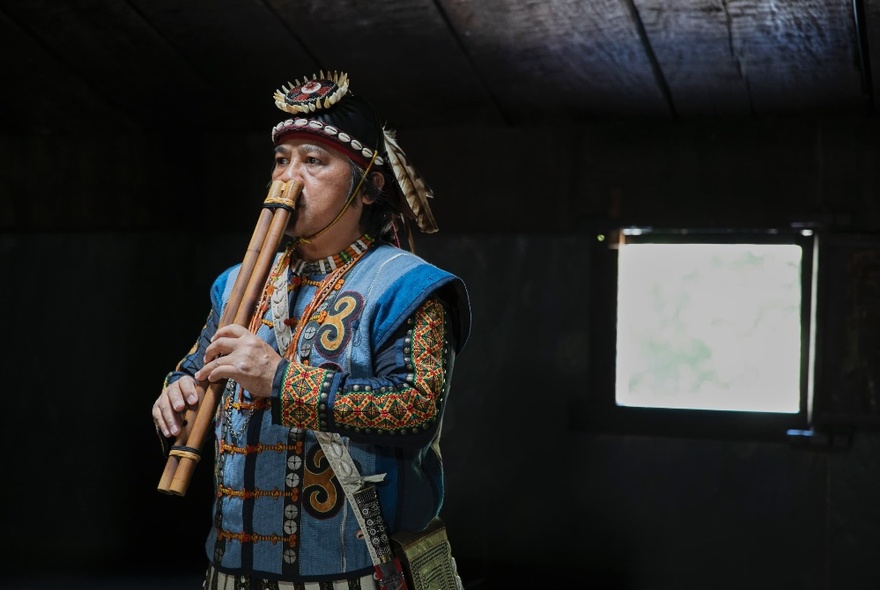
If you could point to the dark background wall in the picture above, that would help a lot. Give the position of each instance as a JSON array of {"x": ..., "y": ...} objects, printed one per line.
[{"x": 110, "y": 242}]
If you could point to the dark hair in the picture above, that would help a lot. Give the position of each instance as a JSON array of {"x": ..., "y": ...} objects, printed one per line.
[{"x": 376, "y": 218}]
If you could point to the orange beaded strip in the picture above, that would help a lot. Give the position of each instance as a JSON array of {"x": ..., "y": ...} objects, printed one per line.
[
  {"x": 255, "y": 538},
  {"x": 293, "y": 494}
]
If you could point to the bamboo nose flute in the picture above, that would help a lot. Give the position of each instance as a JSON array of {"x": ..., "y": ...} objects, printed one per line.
[{"x": 186, "y": 450}]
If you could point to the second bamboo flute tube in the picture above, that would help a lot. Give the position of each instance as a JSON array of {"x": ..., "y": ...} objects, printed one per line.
[{"x": 186, "y": 450}]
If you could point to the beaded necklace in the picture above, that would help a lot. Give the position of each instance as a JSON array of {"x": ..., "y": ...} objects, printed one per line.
[
  {"x": 299, "y": 271},
  {"x": 334, "y": 267},
  {"x": 331, "y": 283},
  {"x": 331, "y": 263}
]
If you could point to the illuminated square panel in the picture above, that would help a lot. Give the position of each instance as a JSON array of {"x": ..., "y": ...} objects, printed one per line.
[{"x": 713, "y": 326}]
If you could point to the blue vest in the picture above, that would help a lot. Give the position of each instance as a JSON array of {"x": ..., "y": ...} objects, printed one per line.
[{"x": 279, "y": 511}]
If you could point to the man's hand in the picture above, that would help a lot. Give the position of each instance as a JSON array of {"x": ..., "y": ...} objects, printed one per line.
[
  {"x": 235, "y": 353},
  {"x": 169, "y": 407}
]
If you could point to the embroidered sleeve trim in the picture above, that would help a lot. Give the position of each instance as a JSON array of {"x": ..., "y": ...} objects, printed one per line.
[
  {"x": 303, "y": 396},
  {"x": 412, "y": 406}
]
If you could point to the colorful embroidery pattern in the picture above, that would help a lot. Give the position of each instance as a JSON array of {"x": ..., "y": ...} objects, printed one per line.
[
  {"x": 414, "y": 404},
  {"x": 301, "y": 395}
]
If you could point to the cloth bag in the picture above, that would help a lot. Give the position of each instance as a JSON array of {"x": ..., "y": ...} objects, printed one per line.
[{"x": 426, "y": 558}]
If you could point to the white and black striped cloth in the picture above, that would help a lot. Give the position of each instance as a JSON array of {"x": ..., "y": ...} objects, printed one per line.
[{"x": 215, "y": 580}]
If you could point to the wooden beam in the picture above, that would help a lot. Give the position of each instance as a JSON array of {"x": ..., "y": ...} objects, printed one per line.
[
  {"x": 559, "y": 58},
  {"x": 239, "y": 47},
  {"x": 109, "y": 46},
  {"x": 798, "y": 57},
  {"x": 400, "y": 54},
  {"x": 871, "y": 31},
  {"x": 42, "y": 96},
  {"x": 693, "y": 42}
]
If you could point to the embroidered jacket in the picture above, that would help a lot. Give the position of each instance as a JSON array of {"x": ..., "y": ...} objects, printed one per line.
[{"x": 373, "y": 363}]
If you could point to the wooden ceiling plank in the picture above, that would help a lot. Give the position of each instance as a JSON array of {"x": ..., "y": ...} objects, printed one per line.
[
  {"x": 43, "y": 97},
  {"x": 239, "y": 46},
  {"x": 109, "y": 45},
  {"x": 400, "y": 54},
  {"x": 797, "y": 56},
  {"x": 871, "y": 25},
  {"x": 429, "y": 63},
  {"x": 692, "y": 42},
  {"x": 566, "y": 55}
]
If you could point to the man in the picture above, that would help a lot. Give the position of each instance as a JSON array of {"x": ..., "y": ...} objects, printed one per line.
[{"x": 362, "y": 346}]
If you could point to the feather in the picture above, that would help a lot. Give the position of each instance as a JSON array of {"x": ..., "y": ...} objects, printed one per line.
[{"x": 415, "y": 190}]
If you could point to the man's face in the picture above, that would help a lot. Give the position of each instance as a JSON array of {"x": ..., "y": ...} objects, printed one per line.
[{"x": 326, "y": 178}]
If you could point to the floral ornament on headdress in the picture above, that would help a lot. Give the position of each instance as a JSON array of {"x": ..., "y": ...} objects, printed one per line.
[{"x": 322, "y": 92}]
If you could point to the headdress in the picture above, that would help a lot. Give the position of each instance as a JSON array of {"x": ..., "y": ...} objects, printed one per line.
[{"x": 323, "y": 108}]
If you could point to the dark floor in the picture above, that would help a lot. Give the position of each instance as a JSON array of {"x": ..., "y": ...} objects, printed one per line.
[
  {"x": 479, "y": 578},
  {"x": 108, "y": 584}
]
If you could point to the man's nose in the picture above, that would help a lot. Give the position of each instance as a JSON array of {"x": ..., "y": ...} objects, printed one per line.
[{"x": 291, "y": 172}]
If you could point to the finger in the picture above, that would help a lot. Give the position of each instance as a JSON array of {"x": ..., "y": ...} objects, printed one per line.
[
  {"x": 231, "y": 331},
  {"x": 204, "y": 374},
  {"x": 188, "y": 390},
  {"x": 221, "y": 369},
  {"x": 220, "y": 347},
  {"x": 175, "y": 396},
  {"x": 166, "y": 419},
  {"x": 159, "y": 420}
]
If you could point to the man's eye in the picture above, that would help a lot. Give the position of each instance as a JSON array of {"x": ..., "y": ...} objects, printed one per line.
[
  {"x": 281, "y": 162},
  {"x": 313, "y": 160}
]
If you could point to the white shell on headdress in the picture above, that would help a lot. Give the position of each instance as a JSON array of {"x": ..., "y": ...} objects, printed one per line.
[{"x": 327, "y": 130}]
